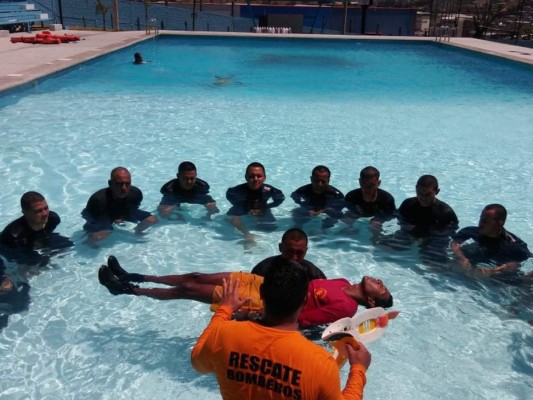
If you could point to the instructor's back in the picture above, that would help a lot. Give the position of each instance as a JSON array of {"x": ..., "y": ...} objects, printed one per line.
[{"x": 270, "y": 359}]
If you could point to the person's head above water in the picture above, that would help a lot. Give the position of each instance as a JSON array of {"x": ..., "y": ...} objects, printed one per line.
[
  {"x": 137, "y": 58},
  {"x": 293, "y": 245},
  {"x": 187, "y": 175},
  {"x": 120, "y": 182},
  {"x": 255, "y": 175},
  {"x": 284, "y": 289},
  {"x": 369, "y": 181},
  {"x": 320, "y": 179},
  {"x": 427, "y": 189},
  {"x": 35, "y": 210},
  {"x": 491, "y": 220}
]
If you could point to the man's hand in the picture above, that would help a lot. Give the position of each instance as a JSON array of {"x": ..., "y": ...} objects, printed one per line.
[
  {"x": 230, "y": 297},
  {"x": 360, "y": 356}
]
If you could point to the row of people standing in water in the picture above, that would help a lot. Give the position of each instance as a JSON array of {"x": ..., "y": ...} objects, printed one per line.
[{"x": 421, "y": 217}]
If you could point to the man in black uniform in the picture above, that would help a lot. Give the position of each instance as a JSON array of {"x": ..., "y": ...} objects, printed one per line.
[
  {"x": 490, "y": 243},
  {"x": 293, "y": 247},
  {"x": 424, "y": 215},
  {"x": 252, "y": 198},
  {"x": 186, "y": 188},
  {"x": 117, "y": 203},
  {"x": 35, "y": 228},
  {"x": 318, "y": 197},
  {"x": 369, "y": 200},
  {"x": 14, "y": 296}
]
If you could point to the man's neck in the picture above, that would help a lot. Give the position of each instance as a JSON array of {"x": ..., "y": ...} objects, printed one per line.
[{"x": 284, "y": 324}]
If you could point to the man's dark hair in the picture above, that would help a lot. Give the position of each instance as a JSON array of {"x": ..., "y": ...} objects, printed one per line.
[
  {"x": 284, "y": 288},
  {"x": 255, "y": 164},
  {"x": 384, "y": 303},
  {"x": 501, "y": 212},
  {"x": 29, "y": 198},
  {"x": 369, "y": 172},
  {"x": 427, "y": 181},
  {"x": 294, "y": 234},
  {"x": 186, "y": 166},
  {"x": 321, "y": 168}
]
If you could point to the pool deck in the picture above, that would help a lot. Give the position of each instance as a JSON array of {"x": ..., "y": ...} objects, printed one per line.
[{"x": 23, "y": 63}]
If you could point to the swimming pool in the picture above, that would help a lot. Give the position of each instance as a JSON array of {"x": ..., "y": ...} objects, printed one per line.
[{"x": 407, "y": 109}]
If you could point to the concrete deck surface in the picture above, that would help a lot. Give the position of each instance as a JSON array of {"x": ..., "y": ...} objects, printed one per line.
[{"x": 21, "y": 63}]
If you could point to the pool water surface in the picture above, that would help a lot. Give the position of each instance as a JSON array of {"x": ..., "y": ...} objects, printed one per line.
[{"x": 406, "y": 108}]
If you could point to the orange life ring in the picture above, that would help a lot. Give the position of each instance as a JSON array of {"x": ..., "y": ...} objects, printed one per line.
[
  {"x": 49, "y": 40},
  {"x": 28, "y": 39}
]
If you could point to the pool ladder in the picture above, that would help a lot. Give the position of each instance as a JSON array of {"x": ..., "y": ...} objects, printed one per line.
[
  {"x": 151, "y": 27},
  {"x": 444, "y": 33}
]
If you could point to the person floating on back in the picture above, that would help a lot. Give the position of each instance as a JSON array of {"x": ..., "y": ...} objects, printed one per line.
[{"x": 327, "y": 299}]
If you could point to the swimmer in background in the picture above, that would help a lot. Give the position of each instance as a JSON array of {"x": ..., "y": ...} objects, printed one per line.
[
  {"x": 490, "y": 243},
  {"x": 186, "y": 188},
  {"x": 222, "y": 80},
  {"x": 117, "y": 203},
  {"x": 138, "y": 59}
]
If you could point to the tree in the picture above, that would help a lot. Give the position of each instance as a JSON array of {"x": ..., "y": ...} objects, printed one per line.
[
  {"x": 486, "y": 12},
  {"x": 101, "y": 8}
]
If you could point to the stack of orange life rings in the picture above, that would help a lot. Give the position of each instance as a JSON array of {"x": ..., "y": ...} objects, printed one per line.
[{"x": 45, "y": 37}]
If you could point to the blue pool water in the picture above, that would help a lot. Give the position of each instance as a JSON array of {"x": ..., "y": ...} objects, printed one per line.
[{"x": 408, "y": 109}]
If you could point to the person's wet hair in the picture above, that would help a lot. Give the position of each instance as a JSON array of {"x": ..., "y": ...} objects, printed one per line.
[
  {"x": 427, "y": 181},
  {"x": 369, "y": 172},
  {"x": 320, "y": 169},
  {"x": 284, "y": 288},
  {"x": 384, "y": 303},
  {"x": 500, "y": 210},
  {"x": 29, "y": 198},
  {"x": 186, "y": 166},
  {"x": 255, "y": 165},
  {"x": 296, "y": 234}
]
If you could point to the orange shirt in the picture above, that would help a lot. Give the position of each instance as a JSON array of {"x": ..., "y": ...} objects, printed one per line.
[{"x": 252, "y": 361}]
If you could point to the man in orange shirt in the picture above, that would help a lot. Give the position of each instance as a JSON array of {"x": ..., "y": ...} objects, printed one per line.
[{"x": 270, "y": 359}]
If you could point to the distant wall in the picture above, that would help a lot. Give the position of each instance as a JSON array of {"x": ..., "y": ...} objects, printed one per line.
[
  {"x": 384, "y": 21},
  {"x": 133, "y": 16}
]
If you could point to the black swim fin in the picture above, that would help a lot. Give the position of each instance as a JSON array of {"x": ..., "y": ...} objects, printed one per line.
[
  {"x": 121, "y": 273},
  {"x": 112, "y": 283}
]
